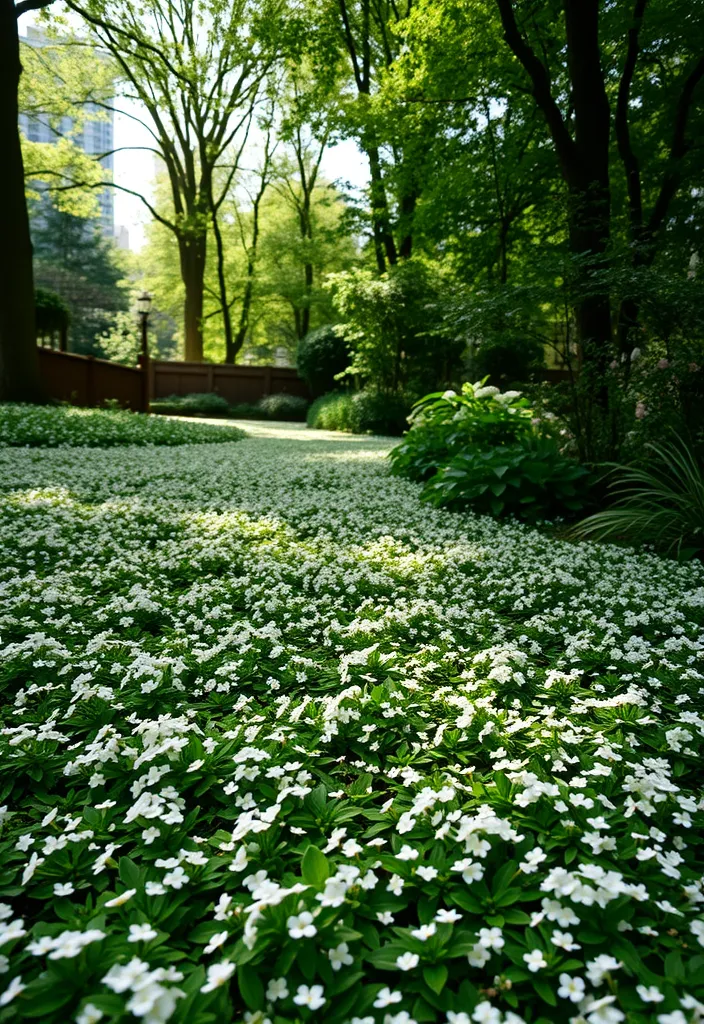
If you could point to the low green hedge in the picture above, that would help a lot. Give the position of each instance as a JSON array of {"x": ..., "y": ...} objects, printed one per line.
[{"x": 364, "y": 412}]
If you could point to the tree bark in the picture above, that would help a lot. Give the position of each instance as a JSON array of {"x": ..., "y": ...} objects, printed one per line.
[
  {"x": 19, "y": 358},
  {"x": 192, "y": 250},
  {"x": 584, "y": 163}
]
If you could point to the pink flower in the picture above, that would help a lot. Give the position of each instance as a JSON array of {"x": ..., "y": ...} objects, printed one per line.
[
  {"x": 641, "y": 411},
  {"x": 693, "y": 367},
  {"x": 663, "y": 364},
  {"x": 613, "y": 364}
]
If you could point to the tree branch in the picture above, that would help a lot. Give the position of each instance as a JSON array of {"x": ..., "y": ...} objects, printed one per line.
[
  {"x": 542, "y": 87},
  {"x": 623, "y": 136}
]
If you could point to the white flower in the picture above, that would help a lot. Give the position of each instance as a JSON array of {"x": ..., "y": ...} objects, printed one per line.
[
  {"x": 425, "y": 932},
  {"x": 571, "y": 988},
  {"x": 447, "y": 916},
  {"x": 650, "y": 993},
  {"x": 217, "y": 975},
  {"x": 697, "y": 929},
  {"x": 176, "y": 878},
  {"x": 407, "y": 853},
  {"x": 602, "y": 965},
  {"x": 300, "y": 926},
  {"x": 121, "y": 978},
  {"x": 123, "y": 897},
  {"x": 90, "y": 1014},
  {"x": 676, "y": 1017},
  {"x": 12, "y": 990},
  {"x": 141, "y": 933},
  {"x": 532, "y": 860},
  {"x": 395, "y": 885},
  {"x": 478, "y": 956},
  {"x": 340, "y": 956},
  {"x": 458, "y": 1018},
  {"x": 485, "y": 1013},
  {"x": 312, "y": 996},
  {"x": 427, "y": 872},
  {"x": 216, "y": 941},
  {"x": 564, "y": 940},
  {"x": 491, "y": 938},
  {"x": 13, "y": 930},
  {"x": 407, "y": 961},
  {"x": 535, "y": 960},
  {"x": 63, "y": 889},
  {"x": 276, "y": 989},
  {"x": 385, "y": 997}
]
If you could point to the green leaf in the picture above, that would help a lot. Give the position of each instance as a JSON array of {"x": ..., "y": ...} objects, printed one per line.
[
  {"x": 251, "y": 988},
  {"x": 435, "y": 977},
  {"x": 315, "y": 868},
  {"x": 129, "y": 873},
  {"x": 545, "y": 991}
]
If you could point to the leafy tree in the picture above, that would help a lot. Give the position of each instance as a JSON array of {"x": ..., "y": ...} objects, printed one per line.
[
  {"x": 64, "y": 83},
  {"x": 75, "y": 260},
  {"x": 198, "y": 75}
]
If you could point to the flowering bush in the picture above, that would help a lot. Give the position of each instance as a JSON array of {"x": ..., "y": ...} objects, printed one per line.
[
  {"x": 446, "y": 423},
  {"x": 70, "y": 427},
  {"x": 485, "y": 449},
  {"x": 281, "y": 743}
]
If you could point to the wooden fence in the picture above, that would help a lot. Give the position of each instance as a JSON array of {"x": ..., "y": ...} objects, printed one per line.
[
  {"x": 234, "y": 383},
  {"x": 84, "y": 380}
]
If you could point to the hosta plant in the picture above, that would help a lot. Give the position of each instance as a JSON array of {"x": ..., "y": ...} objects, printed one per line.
[
  {"x": 445, "y": 423},
  {"x": 529, "y": 480}
]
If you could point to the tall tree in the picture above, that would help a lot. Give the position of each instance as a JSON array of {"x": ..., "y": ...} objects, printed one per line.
[
  {"x": 197, "y": 69},
  {"x": 19, "y": 361}
]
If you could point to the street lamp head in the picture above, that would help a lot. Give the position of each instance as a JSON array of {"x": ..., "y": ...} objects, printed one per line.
[{"x": 144, "y": 303}]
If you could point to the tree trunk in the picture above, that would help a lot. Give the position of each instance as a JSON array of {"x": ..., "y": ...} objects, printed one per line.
[
  {"x": 192, "y": 249},
  {"x": 19, "y": 359},
  {"x": 589, "y": 186},
  {"x": 222, "y": 285},
  {"x": 383, "y": 238}
]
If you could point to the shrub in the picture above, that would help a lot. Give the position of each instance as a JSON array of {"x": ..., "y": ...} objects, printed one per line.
[
  {"x": 52, "y": 313},
  {"x": 443, "y": 424},
  {"x": 187, "y": 405},
  {"x": 393, "y": 324},
  {"x": 70, "y": 427},
  {"x": 321, "y": 355},
  {"x": 662, "y": 504},
  {"x": 530, "y": 480},
  {"x": 366, "y": 412},
  {"x": 484, "y": 449},
  {"x": 283, "y": 407}
]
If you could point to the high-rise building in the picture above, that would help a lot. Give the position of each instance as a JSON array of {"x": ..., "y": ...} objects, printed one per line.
[{"x": 95, "y": 138}]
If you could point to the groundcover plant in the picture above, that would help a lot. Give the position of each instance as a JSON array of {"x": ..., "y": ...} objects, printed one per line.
[
  {"x": 28, "y": 426},
  {"x": 280, "y": 742}
]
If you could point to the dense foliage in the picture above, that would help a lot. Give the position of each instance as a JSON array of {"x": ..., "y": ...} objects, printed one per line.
[
  {"x": 281, "y": 742},
  {"x": 660, "y": 503},
  {"x": 485, "y": 449},
  {"x": 271, "y": 407},
  {"x": 361, "y": 412},
  {"x": 321, "y": 356},
  {"x": 29, "y": 426}
]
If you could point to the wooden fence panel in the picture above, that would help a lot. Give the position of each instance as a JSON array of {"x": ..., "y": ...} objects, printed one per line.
[
  {"x": 234, "y": 383},
  {"x": 84, "y": 380}
]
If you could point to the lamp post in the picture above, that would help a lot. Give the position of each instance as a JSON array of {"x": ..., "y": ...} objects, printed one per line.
[{"x": 144, "y": 304}]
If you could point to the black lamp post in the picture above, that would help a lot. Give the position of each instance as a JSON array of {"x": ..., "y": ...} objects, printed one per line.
[{"x": 144, "y": 304}]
